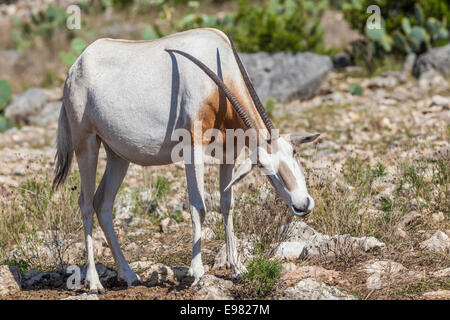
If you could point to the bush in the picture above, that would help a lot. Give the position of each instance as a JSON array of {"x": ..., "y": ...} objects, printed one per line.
[
  {"x": 278, "y": 26},
  {"x": 43, "y": 25},
  {"x": 275, "y": 25},
  {"x": 122, "y": 4},
  {"x": 262, "y": 275},
  {"x": 406, "y": 27},
  {"x": 393, "y": 11}
]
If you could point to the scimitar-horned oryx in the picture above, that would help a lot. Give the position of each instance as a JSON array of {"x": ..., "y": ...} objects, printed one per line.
[{"x": 131, "y": 96}]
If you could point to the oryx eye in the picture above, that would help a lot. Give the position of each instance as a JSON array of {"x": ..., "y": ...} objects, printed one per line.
[{"x": 294, "y": 153}]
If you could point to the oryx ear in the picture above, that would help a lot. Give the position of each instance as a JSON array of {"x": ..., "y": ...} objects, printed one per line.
[
  {"x": 241, "y": 172},
  {"x": 303, "y": 137}
]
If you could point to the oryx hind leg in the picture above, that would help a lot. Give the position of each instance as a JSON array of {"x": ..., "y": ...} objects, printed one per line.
[
  {"x": 86, "y": 151},
  {"x": 116, "y": 169},
  {"x": 226, "y": 208},
  {"x": 195, "y": 182}
]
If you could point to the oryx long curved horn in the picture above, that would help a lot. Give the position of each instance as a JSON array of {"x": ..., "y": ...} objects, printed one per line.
[
  {"x": 259, "y": 106},
  {"x": 233, "y": 100}
]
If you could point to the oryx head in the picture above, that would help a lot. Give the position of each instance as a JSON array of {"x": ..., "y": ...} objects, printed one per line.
[
  {"x": 278, "y": 161},
  {"x": 276, "y": 157}
]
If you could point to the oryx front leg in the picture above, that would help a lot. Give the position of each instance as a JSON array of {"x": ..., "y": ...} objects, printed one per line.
[
  {"x": 194, "y": 177},
  {"x": 226, "y": 207},
  {"x": 87, "y": 154},
  {"x": 116, "y": 169}
]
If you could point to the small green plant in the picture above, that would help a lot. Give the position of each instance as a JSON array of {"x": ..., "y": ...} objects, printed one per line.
[
  {"x": 21, "y": 264},
  {"x": 270, "y": 106},
  {"x": 386, "y": 204},
  {"x": 5, "y": 97},
  {"x": 5, "y": 93},
  {"x": 358, "y": 173},
  {"x": 5, "y": 124},
  {"x": 143, "y": 205},
  {"x": 355, "y": 89},
  {"x": 262, "y": 275},
  {"x": 161, "y": 189}
]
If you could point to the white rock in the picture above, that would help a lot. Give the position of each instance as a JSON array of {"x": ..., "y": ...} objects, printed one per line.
[
  {"x": 293, "y": 273},
  {"x": 379, "y": 270},
  {"x": 304, "y": 241},
  {"x": 441, "y": 101},
  {"x": 438, "y": 217},
  {"x": 383, "y": 266},
  {"x": 83, "y": 296},
  {"x": 438, "y": 242},
  {"x": 374, "y": 281},
  {"x": 9, "y": 280},
  {"x": 213, "y": 288},
  {"x": 291, "y": 249},
  {"x": 442, "y": 273},
  {"x": 158, "y": 273},
  {"x": 385, "y": 123},
  {"x": 310, "y": 289},
  {"x": 437, "y": 295},
  {"x": 141, "y": 265}
]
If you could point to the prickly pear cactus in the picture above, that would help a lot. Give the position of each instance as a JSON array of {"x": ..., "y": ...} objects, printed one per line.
[{"x": 421, "y": 37}]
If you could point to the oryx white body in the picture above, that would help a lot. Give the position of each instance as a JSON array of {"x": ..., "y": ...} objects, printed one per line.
[{"x": 131, "y": 96}]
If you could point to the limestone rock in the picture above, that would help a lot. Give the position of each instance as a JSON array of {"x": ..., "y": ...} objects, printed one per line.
[
  {"x": 9, "y": 280},
  {"x": 286, "y": 76},
  {"x": 310, "y": 289}
]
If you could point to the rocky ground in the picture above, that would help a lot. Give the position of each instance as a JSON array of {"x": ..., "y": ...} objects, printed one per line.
[{"x": 379, "y": 175}]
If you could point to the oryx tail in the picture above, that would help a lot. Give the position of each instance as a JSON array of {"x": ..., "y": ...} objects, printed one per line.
[{"x": 64, "y": 149}]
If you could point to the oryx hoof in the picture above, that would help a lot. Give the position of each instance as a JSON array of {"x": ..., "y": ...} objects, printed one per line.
[
  {"x": 197, "y": 272},
  {"x": 131, "y": 278},
  {"x": 95, "y": 287}
]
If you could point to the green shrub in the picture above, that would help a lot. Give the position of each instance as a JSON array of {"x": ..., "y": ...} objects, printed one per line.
[
  {"x": 43, "y": 25},
  {"x": 122, "y": 4},
  {"x": 5, "y": 94},
  {"x": 262, "y": 275},
  {"x": 290, "y": 25},
  {"x": 273, "y": 25},
  {"x": 394, "y": 11},
  {"x": 407, "y": 26}
]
